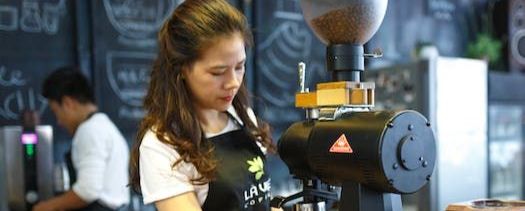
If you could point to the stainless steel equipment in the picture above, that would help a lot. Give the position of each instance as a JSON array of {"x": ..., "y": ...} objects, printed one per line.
[{"x": 15, "y": 171}]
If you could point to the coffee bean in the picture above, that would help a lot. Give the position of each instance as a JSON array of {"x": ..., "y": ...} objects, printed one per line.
[{"x": 354, "y": 24}]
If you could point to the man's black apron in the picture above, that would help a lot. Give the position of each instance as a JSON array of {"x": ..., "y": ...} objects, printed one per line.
[
  {"x": 242, "y": 182},
  {"x": 94, "y": 206}
]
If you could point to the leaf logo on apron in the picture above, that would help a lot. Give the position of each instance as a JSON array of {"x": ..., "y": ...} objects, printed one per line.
[{"x": 256, "y": 166}]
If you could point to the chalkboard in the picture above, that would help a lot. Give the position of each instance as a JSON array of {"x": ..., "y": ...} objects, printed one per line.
[
  {"x": 36, "y": 38},
  {"x": 284, "y": 40},
  {"x": 124, "y": 46}
]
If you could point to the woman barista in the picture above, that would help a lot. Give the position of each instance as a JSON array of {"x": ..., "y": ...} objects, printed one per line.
[{"x": 200, "y": 146}]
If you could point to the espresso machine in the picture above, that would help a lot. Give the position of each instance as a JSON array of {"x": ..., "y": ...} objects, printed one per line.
[
  {"x": 374, "y": 156},
  {"x": 26, "y": 163}
]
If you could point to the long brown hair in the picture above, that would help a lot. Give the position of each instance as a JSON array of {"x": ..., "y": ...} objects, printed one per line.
[{"x": 169, "y": 110}]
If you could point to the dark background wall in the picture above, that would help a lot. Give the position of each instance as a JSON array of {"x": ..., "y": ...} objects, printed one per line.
[
  {"x": 447, "y": 24},
  {"x": 114, "y": 42},
  {"x": 35, "y": 38}
]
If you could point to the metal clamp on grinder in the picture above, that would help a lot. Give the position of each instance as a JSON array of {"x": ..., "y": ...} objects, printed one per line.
[{"x": 373, "y": 155}]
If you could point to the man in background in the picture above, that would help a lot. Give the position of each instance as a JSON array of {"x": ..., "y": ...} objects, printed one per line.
[{"x": 99, "y": 156}]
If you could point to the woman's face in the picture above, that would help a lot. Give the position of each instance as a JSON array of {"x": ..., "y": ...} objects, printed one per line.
[{"x": 216, "y": 76}]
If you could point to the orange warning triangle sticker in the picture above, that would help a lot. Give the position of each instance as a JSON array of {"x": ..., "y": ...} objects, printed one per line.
[{"x": 341, "y": 145}]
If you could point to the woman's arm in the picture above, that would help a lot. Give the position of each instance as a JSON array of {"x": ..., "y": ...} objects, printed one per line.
[
  {"x": 187, "y": 201},
  {"x": 167, "y": 186}
]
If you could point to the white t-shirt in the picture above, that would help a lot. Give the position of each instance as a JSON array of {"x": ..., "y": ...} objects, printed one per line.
[
  {"x": 158, "y": 180},
  {"x": 100, "y": 156}
]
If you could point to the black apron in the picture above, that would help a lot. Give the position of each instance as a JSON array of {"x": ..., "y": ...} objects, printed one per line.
[
  {"x": 94, "y": 206},
  {"x": 242, "y": 181}
]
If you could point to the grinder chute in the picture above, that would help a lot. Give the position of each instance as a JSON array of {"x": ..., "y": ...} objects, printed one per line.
[{"x": 373, "y": 155}]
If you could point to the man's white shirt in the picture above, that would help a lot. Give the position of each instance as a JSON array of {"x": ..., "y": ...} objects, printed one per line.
[{"x": 100, "y": 156}]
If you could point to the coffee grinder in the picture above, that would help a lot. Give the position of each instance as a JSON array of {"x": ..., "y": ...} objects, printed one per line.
[{"x": 372, "y": 155}]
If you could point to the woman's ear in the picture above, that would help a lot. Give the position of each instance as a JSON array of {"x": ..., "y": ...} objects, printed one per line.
[{"x": 185, "y": 70}]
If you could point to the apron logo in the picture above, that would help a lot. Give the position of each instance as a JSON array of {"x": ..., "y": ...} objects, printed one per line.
[
  {"x": 256, "y": 193},
  {"x": 256, "y": 167}
]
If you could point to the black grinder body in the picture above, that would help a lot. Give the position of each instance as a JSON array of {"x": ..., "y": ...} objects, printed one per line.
[{"x": 390, "y": 151}]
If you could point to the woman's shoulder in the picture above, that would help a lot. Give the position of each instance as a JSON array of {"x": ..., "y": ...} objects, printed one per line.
[
  {"x": 150, "y": 141},
  {"x": 150, "y": 138},
  {"x": 159, "y": 179},
  {"x": 152, "y": 147}
]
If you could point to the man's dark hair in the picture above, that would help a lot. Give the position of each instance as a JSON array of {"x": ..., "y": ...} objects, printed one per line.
[{"x": 67, "y": 81}]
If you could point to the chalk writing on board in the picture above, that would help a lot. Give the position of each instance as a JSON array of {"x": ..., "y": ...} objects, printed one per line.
[
  {"x": 280, "y": 52},
  {"x": 14, "y": 103},
  {"x": 288, "y": 43},
  {"x": 128, "y": 112},
  {"x": 35, "y": 17},
  {"x": 8, "y": 18},
  {"x": 138, "y": 20},
  {"x": 441, "y": 9},
  {"x": 128, "y": 74},
  {"x": 289, "y": 10},
  {"x": 13, "y": 78},
  {"x": 15, "y": 97}
]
